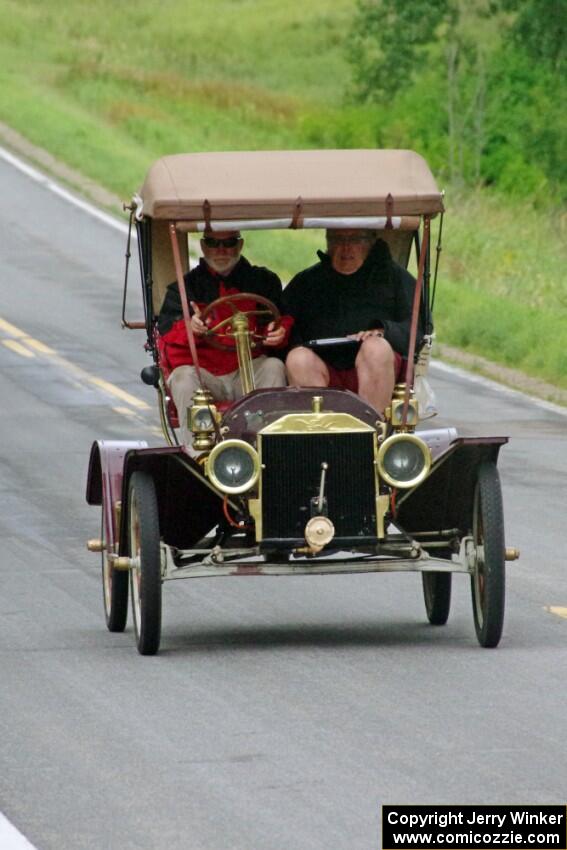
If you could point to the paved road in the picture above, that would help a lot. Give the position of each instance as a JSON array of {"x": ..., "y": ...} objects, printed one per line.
[{"x": 281, "y": 712}]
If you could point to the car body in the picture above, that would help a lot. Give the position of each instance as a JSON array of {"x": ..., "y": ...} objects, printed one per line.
[{"x": 294, "y": 480}]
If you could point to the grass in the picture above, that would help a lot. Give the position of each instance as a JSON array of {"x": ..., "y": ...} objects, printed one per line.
[
  {"x": 109, "y": 88},
  {"x": 503, "y": 292}
]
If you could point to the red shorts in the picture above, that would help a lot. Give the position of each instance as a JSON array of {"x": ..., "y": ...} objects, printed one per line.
[{"x": 347, "y": 379}]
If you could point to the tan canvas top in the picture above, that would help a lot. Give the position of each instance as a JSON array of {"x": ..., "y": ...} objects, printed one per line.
[{"x": 263, "y": 185}]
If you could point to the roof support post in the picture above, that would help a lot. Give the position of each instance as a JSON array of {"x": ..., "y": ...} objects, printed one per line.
[
  {"x": 415, "y": 314},
  {"x": 184, "y": 304}
]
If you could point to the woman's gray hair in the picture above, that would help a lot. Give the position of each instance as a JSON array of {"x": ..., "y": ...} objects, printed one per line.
[{"x": 366, "y": 233}]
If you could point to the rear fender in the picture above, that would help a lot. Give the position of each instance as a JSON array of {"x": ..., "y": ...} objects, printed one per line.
[
  {"x": 104, "y": 480},
  {"x": 188, "y": 505},
  {"x": 445, "y": 499}
]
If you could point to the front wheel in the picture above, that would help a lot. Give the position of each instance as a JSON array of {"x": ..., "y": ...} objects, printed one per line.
[
  {"x": 488, "y": 578},
  {"x": 145, "y": 572}
]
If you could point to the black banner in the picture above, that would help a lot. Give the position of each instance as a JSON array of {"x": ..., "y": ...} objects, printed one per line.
[{"x": 480, "y": 827}]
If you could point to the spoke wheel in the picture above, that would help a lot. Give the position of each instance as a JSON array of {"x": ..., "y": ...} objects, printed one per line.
[
  {"x": 114, "y": 588},
  {"x": 488, "y": 578},
  {"x": 437, "y": 596},
  {"x": 145, "y": 573}
]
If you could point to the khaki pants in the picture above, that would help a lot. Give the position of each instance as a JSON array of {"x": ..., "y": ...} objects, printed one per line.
[{"x": 183, "y": 382}]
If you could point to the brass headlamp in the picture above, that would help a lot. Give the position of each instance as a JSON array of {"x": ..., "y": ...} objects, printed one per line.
[
  {"x": 203, "y": 420},
  {"x": 233, "y": 466},
  {"x": 404, "y": 460}
]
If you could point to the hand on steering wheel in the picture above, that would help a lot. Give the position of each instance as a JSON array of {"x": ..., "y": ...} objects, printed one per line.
[{"x": 223, "y": 327}]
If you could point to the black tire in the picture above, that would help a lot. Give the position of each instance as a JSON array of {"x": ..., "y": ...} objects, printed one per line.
[
  {"x": 488, "y": 580},
  {"x": 114, "y": 589},
  {"x": 437, "y": 597},
  {"x": 145, "y": 575}
]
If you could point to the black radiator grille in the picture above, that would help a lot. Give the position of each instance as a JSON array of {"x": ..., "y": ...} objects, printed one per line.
[{"x": 291, "y": 477}]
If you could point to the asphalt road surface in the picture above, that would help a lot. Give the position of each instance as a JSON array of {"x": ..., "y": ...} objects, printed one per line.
[{"x": 280, "y": 713}]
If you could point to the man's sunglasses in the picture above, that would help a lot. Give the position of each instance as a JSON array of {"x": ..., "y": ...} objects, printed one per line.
[{"x": 229, "y": 242}]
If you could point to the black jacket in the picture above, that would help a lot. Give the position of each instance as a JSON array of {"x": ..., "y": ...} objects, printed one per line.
[{"x": 325, "y": 303}]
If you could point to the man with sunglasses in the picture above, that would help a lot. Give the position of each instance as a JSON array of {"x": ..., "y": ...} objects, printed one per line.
[
  {"x": 221, "y": 271},
  {"x": 352, "y": 318}
]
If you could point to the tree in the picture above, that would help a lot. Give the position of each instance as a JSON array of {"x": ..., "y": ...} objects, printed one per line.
[
  {"x": 387, "y": 42},
  {"x": 496, "y": 70},
  {"x": 539, "y": 29}
]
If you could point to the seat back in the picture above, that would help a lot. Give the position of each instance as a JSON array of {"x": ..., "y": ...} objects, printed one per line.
[
  {"x": 163, "y": 267},
  {"x": 399, "y": 243}
]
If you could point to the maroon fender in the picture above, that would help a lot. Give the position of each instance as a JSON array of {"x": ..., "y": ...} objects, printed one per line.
[
  {"x": 104, "y": 480},
  {"x": 188, "y": 505},
  {"x": 446, "y": 498}
]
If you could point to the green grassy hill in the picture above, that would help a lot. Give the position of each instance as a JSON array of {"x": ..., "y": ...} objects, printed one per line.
[{"x": 110, "y": 86}]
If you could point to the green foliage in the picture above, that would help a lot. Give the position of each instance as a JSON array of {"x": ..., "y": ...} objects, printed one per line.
[
  {"x": 388, "y": 42},
  {"x": 495, "y": 70},
  {"x": 525, "y": 151},
  {"x": 539, "y": 30}
]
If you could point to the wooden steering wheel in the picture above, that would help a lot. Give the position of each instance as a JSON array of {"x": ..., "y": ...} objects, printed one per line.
[{"x": 222, "y": 328}]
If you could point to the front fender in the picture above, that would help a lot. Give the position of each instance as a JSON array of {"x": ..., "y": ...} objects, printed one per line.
[
  {"x": 104, "y": 480},
  {"x": 188, "y": 505},
  {"x": 445, "y": 499}
]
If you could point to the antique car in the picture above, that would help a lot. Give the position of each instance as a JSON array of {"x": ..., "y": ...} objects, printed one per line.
[{"x": 293, "y": 481}]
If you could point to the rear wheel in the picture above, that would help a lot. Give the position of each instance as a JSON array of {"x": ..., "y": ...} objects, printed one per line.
[
  {"x": 488, "y": 578},
  {"x": 437, "y": 597},
  {"x": 145, "y": 572},
  {"x": 114, "y": 588}
]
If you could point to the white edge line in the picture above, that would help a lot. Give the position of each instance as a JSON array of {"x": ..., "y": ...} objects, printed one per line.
[
  {"x": 502, "y": 389},
  {"x": 123, "y": 228},
  {"x": 10, "y": 838},
  {"x": 54, "y": 187}
]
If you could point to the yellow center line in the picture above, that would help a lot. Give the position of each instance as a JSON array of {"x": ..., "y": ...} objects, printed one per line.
[
  {"x": 558, "y": 610},
  {"x": 126, "y": 411},
  {"x": 116, "y": 391},
  {"x": 38, "y": 346},
  {"x": 16, "y": 346},
  {"x": 26, "y": 346},
  {"x": 10, "y": 329},
  {"x": 132, "y": 415}
]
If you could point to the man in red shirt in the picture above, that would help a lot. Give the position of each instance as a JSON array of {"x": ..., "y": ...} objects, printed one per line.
[{"x": 221, "y": 271}]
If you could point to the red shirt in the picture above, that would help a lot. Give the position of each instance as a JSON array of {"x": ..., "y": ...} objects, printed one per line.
[{"x": 174, "y": 345}]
